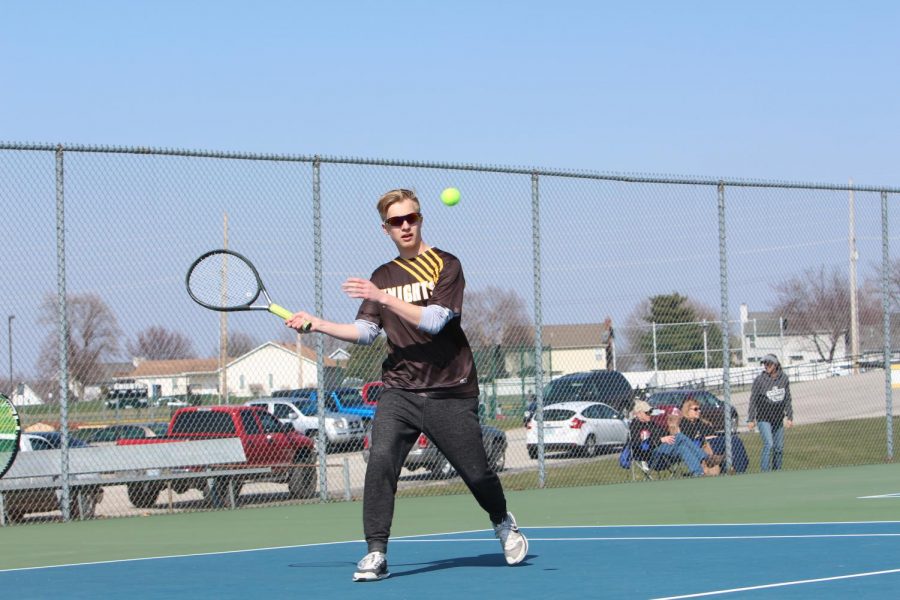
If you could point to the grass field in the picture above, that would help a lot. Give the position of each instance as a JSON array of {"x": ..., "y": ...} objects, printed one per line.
[{"x": 816, "y": 446}]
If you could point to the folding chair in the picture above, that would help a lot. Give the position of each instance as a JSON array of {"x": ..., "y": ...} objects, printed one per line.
[{"x": 664, "y": 466}]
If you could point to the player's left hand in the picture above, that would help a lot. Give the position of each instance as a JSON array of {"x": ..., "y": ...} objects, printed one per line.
[
  {"x": 364, "y": 289},
  {"x": 788, "y": 423}
]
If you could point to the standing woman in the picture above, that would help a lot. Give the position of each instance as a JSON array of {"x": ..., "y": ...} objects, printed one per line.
[{"x": 771, "y": 411}]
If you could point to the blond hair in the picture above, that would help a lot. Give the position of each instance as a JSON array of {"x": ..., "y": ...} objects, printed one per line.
[
  {"x": 687, "y": 404},
  {"x": 394, "y": 196}
]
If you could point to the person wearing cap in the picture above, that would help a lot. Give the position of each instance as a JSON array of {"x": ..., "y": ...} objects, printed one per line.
[
  {"x": 650, "y": 441},
  {"x": 771, "y": 411}
]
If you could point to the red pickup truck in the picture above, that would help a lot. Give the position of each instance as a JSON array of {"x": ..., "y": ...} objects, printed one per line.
[{"x": 266, "y": 442}]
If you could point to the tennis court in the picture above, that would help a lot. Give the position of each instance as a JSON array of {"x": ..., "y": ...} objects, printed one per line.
[{"x": 823, "y": 534}]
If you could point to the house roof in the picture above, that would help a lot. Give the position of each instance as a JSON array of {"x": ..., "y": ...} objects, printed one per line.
[
  {"x": 578, "y": 335},
  {"x": 161, "y": 368},
  {"x": 155, "y": 368},
  {"x": 115, "y": 369}
]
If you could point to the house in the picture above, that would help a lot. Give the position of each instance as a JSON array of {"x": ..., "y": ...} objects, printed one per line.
[
  {"x": 567, "y": 349},
  {"x": 767, "y": 333},
  {"x": 107, "y": 374},
  {"x": 24, "y": 395},
  {"x": 271, "y": 366}
]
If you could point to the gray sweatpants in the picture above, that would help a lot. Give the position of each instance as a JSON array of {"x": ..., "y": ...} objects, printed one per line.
[{"x": 452, "y": 425}]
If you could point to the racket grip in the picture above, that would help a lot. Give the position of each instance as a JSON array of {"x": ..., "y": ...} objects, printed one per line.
[
  {"x": 286, "y": 314},
  {"x": 280, "y": 311}
]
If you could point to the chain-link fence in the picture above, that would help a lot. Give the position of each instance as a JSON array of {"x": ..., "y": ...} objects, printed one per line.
[{"x": 585, "y": 292}]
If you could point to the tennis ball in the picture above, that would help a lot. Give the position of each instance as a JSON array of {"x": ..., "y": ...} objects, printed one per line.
[{"x": 450, "y": 196}]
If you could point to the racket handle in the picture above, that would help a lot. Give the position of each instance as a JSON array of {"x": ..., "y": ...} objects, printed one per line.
[
  {"x": 284, "y": 313},
  {"x": 280, "y": 311}
]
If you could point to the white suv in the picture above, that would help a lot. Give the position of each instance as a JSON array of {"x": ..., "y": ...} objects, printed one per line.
[{"x": 342, "y": 431}]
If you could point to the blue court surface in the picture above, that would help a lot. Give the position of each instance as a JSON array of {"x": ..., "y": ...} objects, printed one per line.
[{"x": 796, "y": 560}]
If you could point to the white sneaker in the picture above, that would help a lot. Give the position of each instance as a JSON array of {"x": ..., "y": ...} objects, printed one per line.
[
  {"x": 372, "y": 567},
  {"x": 515, "y": 546}
]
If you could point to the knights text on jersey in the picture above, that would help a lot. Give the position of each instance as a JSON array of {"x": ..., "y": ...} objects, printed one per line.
[{"x": 439, "y": 365}]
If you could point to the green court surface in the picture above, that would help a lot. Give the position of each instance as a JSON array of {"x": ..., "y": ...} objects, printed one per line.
[{"x": 827, "y": 495}]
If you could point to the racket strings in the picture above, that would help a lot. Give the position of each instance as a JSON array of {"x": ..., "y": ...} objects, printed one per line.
[{"x": 224, "y": 281}]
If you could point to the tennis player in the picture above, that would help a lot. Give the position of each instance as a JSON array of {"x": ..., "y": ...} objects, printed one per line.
[{"x": 431, "y": 386}]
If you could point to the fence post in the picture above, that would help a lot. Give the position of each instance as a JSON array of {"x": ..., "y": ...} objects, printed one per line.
[
  {"x": 538, "y": 324},
  {"x": 63, "y": 330},
  {"x": 322, "y": 440},
  {"x": 726, "y": 341},
  {"x": 886, "y": 325}
]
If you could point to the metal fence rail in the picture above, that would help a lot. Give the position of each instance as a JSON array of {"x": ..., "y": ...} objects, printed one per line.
[{"x": 568, "y": 273}]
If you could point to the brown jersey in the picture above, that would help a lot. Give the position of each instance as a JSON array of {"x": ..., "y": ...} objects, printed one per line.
[{"x": 439, "y": 365}]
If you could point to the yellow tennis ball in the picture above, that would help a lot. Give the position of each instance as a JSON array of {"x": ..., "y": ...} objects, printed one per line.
[{"x": 450, "y": 196}]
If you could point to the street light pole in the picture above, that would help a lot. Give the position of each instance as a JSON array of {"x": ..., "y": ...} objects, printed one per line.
[{"x": 9, "y": 331}]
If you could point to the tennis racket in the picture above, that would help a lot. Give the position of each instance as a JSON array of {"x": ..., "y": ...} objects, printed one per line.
[
  {"x": 10, "y": 431},
  {"x": 227, "y": 281}
]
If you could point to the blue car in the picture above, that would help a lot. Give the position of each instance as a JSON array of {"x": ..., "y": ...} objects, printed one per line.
[{"x": 342, "y": 400}]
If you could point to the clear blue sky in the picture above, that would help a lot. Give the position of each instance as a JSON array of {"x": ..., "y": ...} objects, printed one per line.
[
  {"x": 786, "y": 90},
  {"x": 797, "y": 91}
]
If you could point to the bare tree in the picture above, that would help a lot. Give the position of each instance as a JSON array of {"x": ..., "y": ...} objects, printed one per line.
[
  {"x": 873, "y": 285},
  {"x": 239, "y": 343},
  {"x": 93, "y": 338},
  {"x": 816, "y": 305},
  {"x": 494, "y": 316},
  {"x": 159, "y": 343}
]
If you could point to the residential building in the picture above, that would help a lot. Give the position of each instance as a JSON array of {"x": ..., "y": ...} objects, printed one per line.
[
  {"x": 567, "y": 349},
  {"x": 767, "y": 333},
  {"x": 269, "y": 367}
]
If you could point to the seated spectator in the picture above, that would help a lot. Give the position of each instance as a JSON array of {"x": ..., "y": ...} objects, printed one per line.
[
  {"x": 696, "y": 427},
  {"x": 649, "y": 443},
  {"x": 704, "y": 434}
]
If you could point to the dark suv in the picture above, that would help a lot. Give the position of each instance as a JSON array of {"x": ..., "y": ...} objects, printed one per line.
[{"x": 608, "y": 387}]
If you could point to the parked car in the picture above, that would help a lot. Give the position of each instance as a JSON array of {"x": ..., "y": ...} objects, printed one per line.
[
  {"x": 581, "y": 428},
  {"x": 343, "y": 431},
  {"x": 18, "y": 503},
  {"x": 711, "y": 408},
  {"x": 608, "y": 387},
  {"x": 113, "y": 433},
  {"x": 290, "y": 456},
  {"x": 54, "y": 438},
  {"x": 343, "y": 400},
  {"x": 131, "y": 398},
  {"x": 425, "y": 455}
]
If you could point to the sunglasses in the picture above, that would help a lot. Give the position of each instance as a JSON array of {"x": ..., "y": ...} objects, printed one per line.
[
  {"x": 697, "y": 408},
  {"x": 411, "y": 218}
]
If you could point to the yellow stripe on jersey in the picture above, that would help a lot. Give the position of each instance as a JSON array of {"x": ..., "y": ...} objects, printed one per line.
[
  {"x": 436, "y": 261},
  {"x": 421, "y": 268},
  {"x": 414, "y": 273},
  {"x": 425, "y": 267}
]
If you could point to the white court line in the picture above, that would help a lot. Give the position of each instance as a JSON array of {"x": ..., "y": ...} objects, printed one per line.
[
  {"x": 894, "y": 495},
  {"x": 782, "y": 584},
  {"x": 659, "y": 538},
  {"x": 695, "y": 525}
]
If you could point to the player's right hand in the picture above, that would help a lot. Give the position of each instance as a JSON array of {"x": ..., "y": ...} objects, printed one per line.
[{"x": 301, "y": 320}]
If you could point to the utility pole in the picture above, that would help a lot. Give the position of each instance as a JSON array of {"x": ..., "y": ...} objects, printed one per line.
[{"x": 854, "y": 296}]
